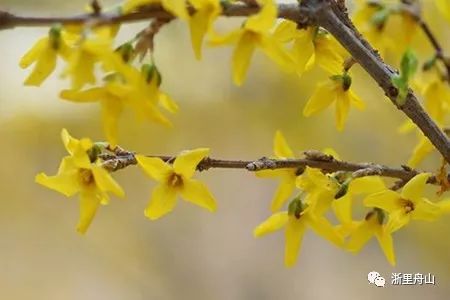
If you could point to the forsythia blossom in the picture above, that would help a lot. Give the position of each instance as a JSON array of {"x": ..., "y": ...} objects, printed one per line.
[
  {"x": 255, "y": 32},
  {"x": 44, "y": 54},
  {"x": 174, "y": 180},
  {"x": 335, "y": 89},
  {"x": 296, "y": 220},
  {"x": 407, "y": 205},
  {"x": 82, "y": 173}
]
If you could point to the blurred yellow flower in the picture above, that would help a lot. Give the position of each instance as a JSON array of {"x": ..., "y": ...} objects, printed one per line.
[
  {"x": 83, "y": 57},
  {"x": 444, "y": 8},
  {"x": 296, "y": 221},
  {"x": 77, "y": 173},
  {"x": 174, "y": 180},
  {"x": 44, "y": 54},
  {"x": 206, "y": 11},
  {"x": 423, "y": 148},
  {"x": 335, "y": 89},
  {"x": 255, "y": 32},
  {"x": 407, "y": 205},
  {"x": 287, "y": 177}
]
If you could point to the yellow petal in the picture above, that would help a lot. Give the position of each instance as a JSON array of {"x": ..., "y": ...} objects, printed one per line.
[
  {"x": 242, "y": 56},
  {"x": 197, "y": 193},
  {"x": 162, "y": 201},
  {"x": 387, "y": 245},
  {"x": 342, "y": 109},
  {"x": 303, "y": 51},
  {"x": 423, "y": 148},
  {"x": 355, "y": 100},
  {"x": 342, "y": 208},
  {"x": 397, "y": 219},
  {"x": 426, "y": 210},
  {"x": 65, "y": 183},
  {"x": 45, "y": 65},
  {"x": 281, "y": 147},
  {"x": 327, "y": 54},
  {"x": 278, "y": 173},
  {"x": 366, "y": 185},
  {"x": 177, "y": 7},
  {"x": 90, "y": 95},
  {"x": 286, "y": 31},
  {"x": 284, "y": 191},
  {"x": 273, "y": 223},
  {"x": 444, "y": 7},
  {"x": 387, "y": 200},
  {"x": 359, "y": 237},
  {"x": 276, "y": 52},
  {"x": 111, "y": 110},
  {"x": 323, "y": 227},
  {"x": 187, "y": 161},
  {"x": 167, "y": 103},
  {"x": 264, "y": 19},
  {"x": 131, "y": 5},
  {"x": 154, "y": 167},
  {"x": 105, "y": 182},
  {"x": 413, "y": 190},
  {"x": 295, "y": 230},
  {"x": 198, "y": 24},
  {"x": 323, "y": 96},
  {"x": 34, "y": 53},
  {"x": 89, "y": 202}
]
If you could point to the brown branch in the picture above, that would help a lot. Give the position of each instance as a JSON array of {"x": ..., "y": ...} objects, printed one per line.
[
  {"x": 328, "y": 14},
  {"x": 121, "y": 159}
]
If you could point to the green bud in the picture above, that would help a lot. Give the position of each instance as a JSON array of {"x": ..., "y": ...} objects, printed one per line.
[
  {"x": 94, "y": 152},
  {"x": 346, "y": 82},
  {"x": 295, "y": 207},
  {"x": 380, "y": 215},
  {"x": 429, "y": 63},
  {"x": 151, "y": 72},
  {"x": 126, "y": 51},
  {"x": 54, "y": 35}
]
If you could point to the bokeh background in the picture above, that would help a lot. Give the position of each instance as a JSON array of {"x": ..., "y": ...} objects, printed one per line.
[{"x": 191, "y": 254}]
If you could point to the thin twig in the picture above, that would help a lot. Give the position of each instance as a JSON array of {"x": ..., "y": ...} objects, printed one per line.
[{"x": 326, "y": 163}]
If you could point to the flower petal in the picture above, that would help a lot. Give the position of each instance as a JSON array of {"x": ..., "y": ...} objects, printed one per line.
[
  {"x": 65, "y": 183},
  {"x": 198, "y": 24},
  {"x": 342, "y": 109},
  {"x": 342, "y": 208},
  {"x": 197, "y": 193},
  {"x": 323, "y": 228},
  {"x": 111, "y": 110},
  {"x": 366, "y": 185},
  {"x": 413, "y": 190},
  {"x": 426, "y": 210},
  {"x": 105, "y": 182},
  {"x": 89, "y": 202},
  {"x": 386, "y": 243},
  {"x": 284, "y": 191},
  {"x": 45, "y": 65},
  {"x": 273, "y": 223},
  {"x": 387, "y": 200},
  {"x": 162, "y": 201},
  {"x": 281, "y": 147},
  {"x": 397, "y": 219},
  {"x": 241, "y": 57},
  {"x": 154, "y": 167},
  {"x": 295, "y": 230},
  {"x": 187, "y": 161},
  {"x": 33, "y": 54},
  {"x": 359, "y": 237},
  {"x": 323, "y": 96},
  {"x": 90, "y": 95}
]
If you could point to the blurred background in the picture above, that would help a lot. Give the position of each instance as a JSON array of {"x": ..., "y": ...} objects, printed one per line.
[{"x": 191, "y": 254}]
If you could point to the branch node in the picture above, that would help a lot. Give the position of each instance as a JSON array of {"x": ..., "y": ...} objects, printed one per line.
[
  {"x": 318, "y": 155},
  {"x": 261, "y": 164}
]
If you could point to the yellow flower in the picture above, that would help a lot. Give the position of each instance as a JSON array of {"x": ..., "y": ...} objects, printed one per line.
[
  {"x": 320, "y": 189},
  {"x": 336, "y": 89},
  {"x": 176, "y": 180},
  {"x": 423, "y": 148},
  {"x": 206, "y": 11},
  {"x": 255, "y": 32},
  {"x": 310, "y": 46},
  {"x": 176, "y": 7},
  {"x": 44, "y": 54},
  {"x": 83, "y": 57},
  {"x": 444, "y": 8},
  {"x": 79, "y": 174},
  {"x": 383, "y": 28},
  {"x": 437, "y": 99},
  {"x": 371, "y": 226},
  {"x": 342, "y": 207},
  {"x": 286, "y": 176},
  {"x": 296, "y": 221},
  {"x": 405, "y": 206}
]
